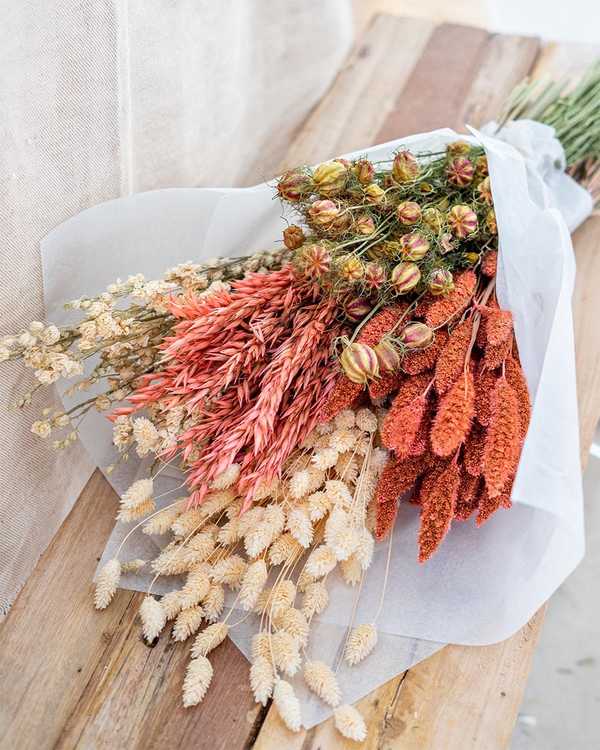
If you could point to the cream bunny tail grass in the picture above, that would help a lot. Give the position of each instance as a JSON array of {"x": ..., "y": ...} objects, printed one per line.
[
  {"x": 197, "y": 680},
  {"x": 153, "y": 618},
  {"x": 261, "y": 679},
  {"x": 106, "y": 583},
  {"x": 209, "y": 638},
  {"x": 287, "y": 704},
  {"x": 321, "y": 680},
  {"x": 361, "y": 642},
  {"x": 350, "y": 723}
]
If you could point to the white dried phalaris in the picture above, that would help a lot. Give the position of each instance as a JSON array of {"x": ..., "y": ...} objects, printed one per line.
[
  {"x": 209, "y": 638},
  {"x": 196, "y": 586},
  {"x": 341, "y": 535},
  {"x": 171, "y": 604},
  {"x": 153, "y": 618},
  {"x": 321, "y": 681},
  {"x": 107, "y": 582},
  {"x": 360, "y": 643},
  {"x": 321, "y": 561},
  {"x": 174, "y": 560},
  {"x": 229, "y": 571},
  {"x": 342, "y": 440},
  {"x": 202, "y": 543},
  {"x": 300, "y": 526},
  {"x": 197, "y": 681},
  {"x": 319, "y": 506},
  {"x": 346, "y": 467},
  {"x": 315, "y": 599},
  {"x": 364, "y": 549},
  {"x": 276, "y": 598},
  {"x": 187, "y": 522},
  {"x": 161, "y": 522},
  {"x": 261, "y": 645},
  {"x": 286, "y": 652},
  {"x": 325, "y": 458},
  {"x": 345, "y": 420},
  {"x": 229, "y": 533},
  {"x": 262, "y": 679},
  {"x": 284, "y": 549},
  {"x": 187, "y": 622},
  {"x": 304, "y": 579},
  {"x": 352, "y": 570},
  {"x": 226, "y": 478},
  {"x": 293, "y": 622},
  {"x": 262, "y": 534},
  {"x": 338, "y": 493},
  {"x": 287, "y": 705},
  {"x": 253, "y": 582},
  {"x": 250, "y": 519},
  {"x": 214, "y": 602},
  {"x": 349, "y": 723}
]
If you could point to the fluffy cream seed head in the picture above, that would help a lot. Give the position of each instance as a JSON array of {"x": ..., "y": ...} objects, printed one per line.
[
  {"x": 196, "y": 586},
  {"x": 139, "y": 492},
  {"x": 338, "y": 493},
  {"x": 321, "y": 561},
  {"x": 366, "y": 420},
  {"x": 171, "y": 604},
  {"x": 230, "y": 571},
  {"x": 145, "y": 435},
  {"x": 197, "y": 680},
  {"x": 318, "y": 506},
  {"x": 253, "y": 582},
  {"x": 187, "y": 522},
  {"x": 325, "y": 458},
  {"x": 153, "y": 618},
  {"x": 132, "y": 566},
  {"x": 209, "y": 638},
  {"x": 261, "y": 679},
  {"x": 360, "y": 643},
  {"x": 161, "y": 522},
  {"x": 299, "y": 525},
  {"x": 226, "y": 478},
  {"x": 286, "y": 652},
  {"x": 107, "y": 582},
  {"x": 287, "y": 705},
  {"x": 342, "y": 440},
  {"x": 187, "y": 622},
  {"x": 214, "y": 602},
  {"x": 284, "y": 549},
  {"x": 352, "y": 571},
  {"x": 345, "y": 420},
  {"x": 126, "y": 514},
  {"x": 321, "y": 681},
  {"x": 293, "y": 622},
  {"x": 350, "y": 723},
  {"x": 315, "y": 599}
]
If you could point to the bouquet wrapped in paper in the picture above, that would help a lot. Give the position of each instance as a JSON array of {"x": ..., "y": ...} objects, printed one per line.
[{"x": 348, "y": 448}]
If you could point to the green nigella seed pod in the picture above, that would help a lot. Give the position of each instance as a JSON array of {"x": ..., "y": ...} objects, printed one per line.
[
  {"x": 359, "y": 363},
  {"x": 414, "y": 246},
  {"x": 440, "y": 282},
  {"x": 405, "y": 277},
  {"x": 416, "y": 336}
]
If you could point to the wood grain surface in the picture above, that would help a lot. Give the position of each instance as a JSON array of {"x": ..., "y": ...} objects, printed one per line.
[{"x": 74, "y": 678}]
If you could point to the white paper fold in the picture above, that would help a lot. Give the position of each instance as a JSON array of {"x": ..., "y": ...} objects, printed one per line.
[{"x": 483, "y": 584}]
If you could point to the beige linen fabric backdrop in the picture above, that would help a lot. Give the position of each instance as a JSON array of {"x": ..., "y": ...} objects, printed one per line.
[{"x": 101, "y": 98}]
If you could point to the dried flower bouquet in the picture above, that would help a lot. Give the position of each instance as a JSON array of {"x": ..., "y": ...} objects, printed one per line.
[{"x": 305, "y": 392}]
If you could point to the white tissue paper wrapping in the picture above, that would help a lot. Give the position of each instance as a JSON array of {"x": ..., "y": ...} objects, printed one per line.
[{"x": 483, "y": 584}]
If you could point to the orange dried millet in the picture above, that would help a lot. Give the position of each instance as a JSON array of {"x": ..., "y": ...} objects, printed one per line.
[
  {"x": 343, "y": 395},
  {"x": 503, "y": 439},
  {"x": 438, "y": 508},
  {"x": 485, "y": 382},
  {"x": 451, "y": 361},
  {"x": 454, "y": 416},
  {"x": 495, "y": 355},
  {"x": 516, "y": 377},
  {"x": 380, "y": 324},
  {"x": 415, "y": 362},
  {"x": 498, "y": 326},
  {"x": 489, "y": 263},
  {"x": 473, "y": 451},
  {"x": 401, "y": 426},
  {"x": 489, "y": 505},
  {"x": 450, "y": 305},
  {"x": 387, "y": 383},
  {"x": 468, "y": 497}
]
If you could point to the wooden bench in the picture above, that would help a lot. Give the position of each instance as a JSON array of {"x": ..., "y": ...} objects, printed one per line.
[{"x": 71, "y": 677}]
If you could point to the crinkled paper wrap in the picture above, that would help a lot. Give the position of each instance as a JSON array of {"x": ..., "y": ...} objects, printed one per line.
[{"x": 483, "y": 584}]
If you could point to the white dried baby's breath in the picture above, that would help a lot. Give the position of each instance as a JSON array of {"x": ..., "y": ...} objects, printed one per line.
[
  {"x": 293, "y": 622},
  {"x": 107, "y": 582},
  {"x": 196, "y": 586},
  {"x": 188, "y": 521},
  {"x": 171, "y": 604},
  {"x": 132, "y": 566},
  {"x": 318, "y": 506},
  {"x": 197, "y": 680},
  {"x": 342, "y": 440},
  {"x": 350, "y": 723},
  {"x": 226, "y": 478},
  {"x": 253, "y": 582},
  {"x": 261, "y": 679},
  {"x": 366, "y": 420},
  {"x": 286, "y": 652},
  {"x": 321, "y": 681},
  {"x": 153, "y": 618},
  {"x": 284, "y": 549},
  {"x": 214, "y": 602},
  {"x": 209, "y": 638},
  {"x": 161, "y": 522},
  {"x": 360, "y": 643},
  {"x": 299, "y": 525},
  {"x": 352, "y": 571},
  {"x": 287, "y": 704},
  {"x": 324, "y": 458},
  {"x": 128, "y": 514},
  {"x": 229, "y": 571},
  {"x": 321, "y": 561},
  {"x": 315, "y": 599},
  {"x": 187, "y": 622}
]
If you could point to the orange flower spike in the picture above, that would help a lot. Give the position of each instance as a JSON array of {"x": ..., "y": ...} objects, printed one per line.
[
  {"x": 343, "y": 395},
  {"x": 384, "y": 518},
  {"x": 473, "y": 452},
  {"x": 468, "y": 497},
  {"x": 489, "y": 263},
  {"x": 422, "y": 444},
  {"x": 415, "y": 362},
  {"x": 451, "y": 361},
  {"x": 450, "y": 305},
  {"x": 489, "y": 505},
  {"x": 401, "y": 426},
  {"x": 398, "y": 477},
  {"x": 384, "y": 385},
  {"x": 499, "y": 325},
  {"x": 380, "y": 324},
  {"x": 503, "y": 443},
  {"x": 438, "y": 508},
  {"x": 454, "y": 416},
  {"x": 495, "y": 355},
  {"x": 485, "y": 382},
  {"x": 516, "y": 378}
]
